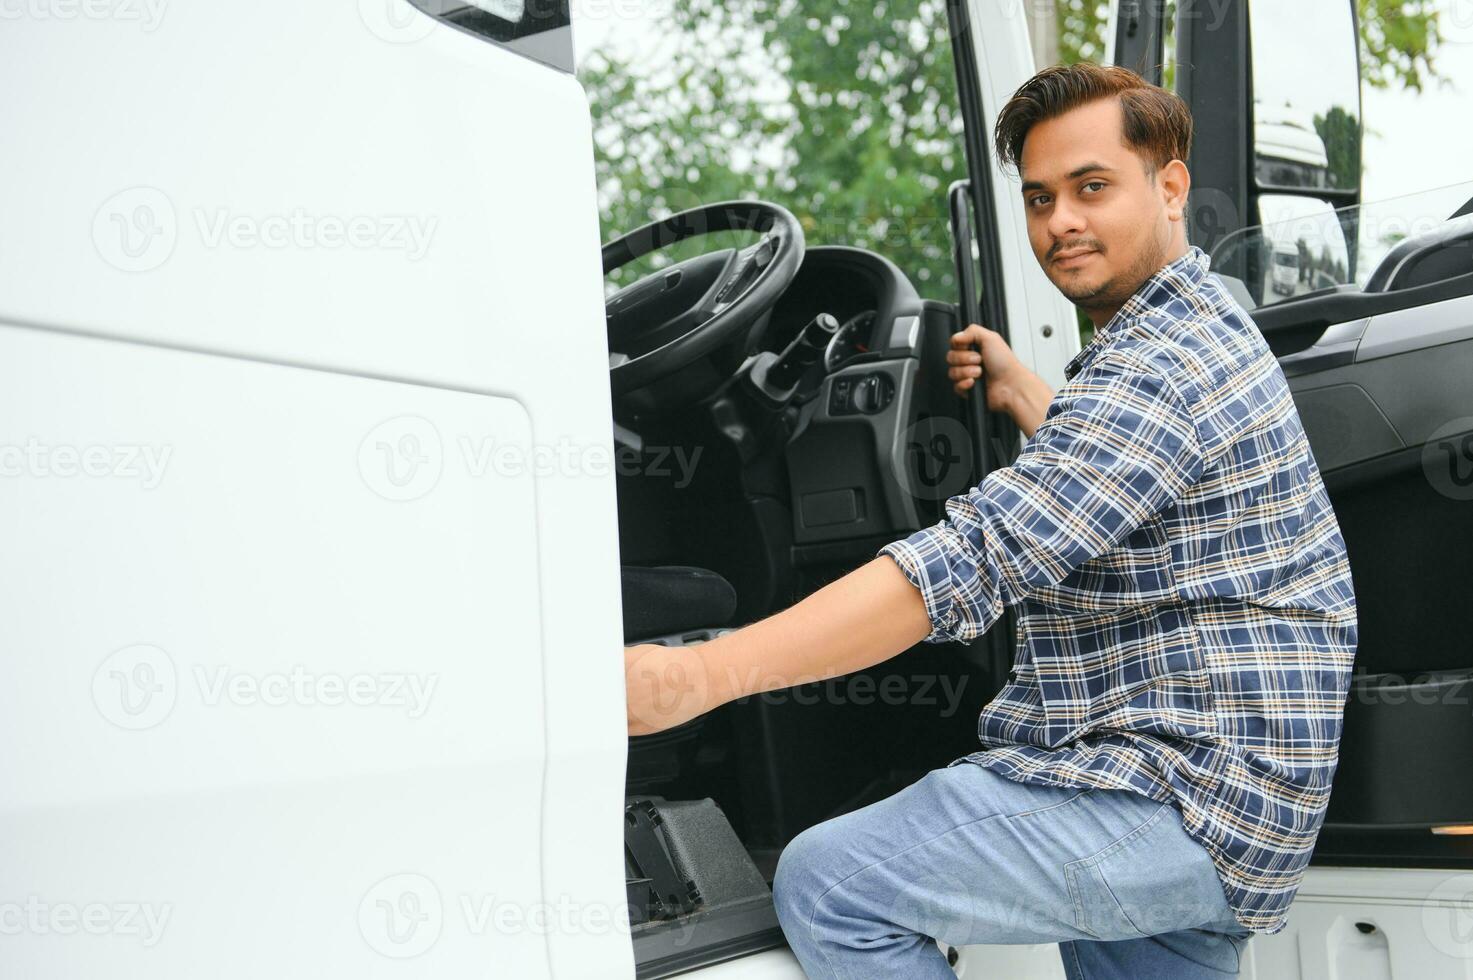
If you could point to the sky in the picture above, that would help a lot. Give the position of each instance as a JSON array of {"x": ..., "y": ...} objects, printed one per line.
[{"x": 1419, "y": 141}]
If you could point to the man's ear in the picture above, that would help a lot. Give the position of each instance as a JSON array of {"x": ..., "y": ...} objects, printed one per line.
[{"x": 1175, "y": 181}]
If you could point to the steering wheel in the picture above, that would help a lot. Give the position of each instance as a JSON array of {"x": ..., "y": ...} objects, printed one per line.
[{"x": 679, "y": 314}]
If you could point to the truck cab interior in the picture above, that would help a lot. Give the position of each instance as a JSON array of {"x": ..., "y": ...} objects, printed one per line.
[
  {"x": 808, "y": 387},
  {"x": 809, "y": 382}
]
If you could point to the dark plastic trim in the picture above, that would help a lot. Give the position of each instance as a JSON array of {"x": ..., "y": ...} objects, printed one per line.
[
  {"x": 1138, "y": 38},
  {"x": 540, "y": 17},
  {"x": 1296, "y": 324},
  {"x": 1214, "y": 76},
  {"x": 1457, "y": 230}
]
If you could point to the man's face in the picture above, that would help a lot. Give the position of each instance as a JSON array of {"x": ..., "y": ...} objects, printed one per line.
[{"x": 1098, "y": 221}]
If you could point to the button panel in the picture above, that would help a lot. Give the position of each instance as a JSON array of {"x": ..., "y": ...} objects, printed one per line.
[{"x": 868, "y": 394}]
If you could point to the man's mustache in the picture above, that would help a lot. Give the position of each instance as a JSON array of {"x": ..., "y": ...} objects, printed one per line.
[{"x": 1057, "y": 247}]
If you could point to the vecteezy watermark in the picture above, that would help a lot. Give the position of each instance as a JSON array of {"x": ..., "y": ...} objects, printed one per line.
[
  {"x": 138, "y": 687},
  {"x": 403, "y": 459},
  {"x": 41, "y": 460},
  {"x": 918, "y": 690},
  {"x": 1447, "y": 459},
  {"x": 1394, "y": 689},
  {"x": 938, "y": 460},
  {"x": 33, "y": 916},
  {"x": 303, "y": 688},
  {"x": 1462, "y": 19},
  {"x": 401, "y": 916},
  {"x": 300, "y": 229},
  {"x": 404, "y": 915},
  {"x": 395, "y": 21},
  {"x": 137, "y": 230},
  {"x": 1447, "y": 917},
  {"x": 675, "y": 680},
  {"x": 147, "y": 14}
]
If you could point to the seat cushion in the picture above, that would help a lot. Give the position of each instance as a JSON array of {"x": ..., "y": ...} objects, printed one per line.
[{"x": 670, "y": 598}]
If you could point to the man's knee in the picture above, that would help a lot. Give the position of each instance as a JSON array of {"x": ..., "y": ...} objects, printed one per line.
[{"x": 806, "y": 869}]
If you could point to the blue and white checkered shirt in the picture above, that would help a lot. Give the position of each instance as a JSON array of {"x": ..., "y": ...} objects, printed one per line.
[{"x": 1186, "y": 622}]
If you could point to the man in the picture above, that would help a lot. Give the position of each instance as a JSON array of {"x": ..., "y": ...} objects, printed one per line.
[{"x": 1155, "y": 772}]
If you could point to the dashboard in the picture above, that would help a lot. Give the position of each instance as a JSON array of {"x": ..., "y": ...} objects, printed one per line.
[
  {"x": 857, "y": 464},
  {"x": 864, "y": 291},
  {"x": 854, "y": 338}
]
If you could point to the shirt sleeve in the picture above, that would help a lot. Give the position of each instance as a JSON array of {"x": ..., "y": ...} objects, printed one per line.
[{"x": 1117, "y": 445}]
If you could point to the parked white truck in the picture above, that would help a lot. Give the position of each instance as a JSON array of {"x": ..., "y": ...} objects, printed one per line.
[{"x": 334, "y": 485}]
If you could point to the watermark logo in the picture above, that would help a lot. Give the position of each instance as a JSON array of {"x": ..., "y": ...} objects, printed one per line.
[
  {"x": 44, "y": 461},
  {"x": 139, "y": 686},
  {"x": 667, "y": 684},
  {"x": 136, "y": 230},
  {"x": 914, "y": 690},
  {"x": 1447, "y": 459},
  {"x": 1447, "y": 917},
  {"x": 401, "y": 916},
  {"x": 404, "y": 915},
  {"x": 402, "y": 459},
  {"x": 1461, "y": 21},
  {"x": 921, "y": 907},
  {"x": 143, "y": 921},
  {"x": 302, "y": 230},
  {"x": 147, "y": 14},
  {"x": 938, "y": 458},
  {"x": 302, "y": 688},
  {"x": 395, "y": 21},
  {"x": 136, "y": 687}
]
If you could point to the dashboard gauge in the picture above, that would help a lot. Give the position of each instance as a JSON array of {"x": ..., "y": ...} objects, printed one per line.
[{"x": 852, "y": 338}]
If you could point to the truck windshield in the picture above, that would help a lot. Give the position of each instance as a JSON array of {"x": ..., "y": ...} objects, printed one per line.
[{"x": 846, "y": 114}]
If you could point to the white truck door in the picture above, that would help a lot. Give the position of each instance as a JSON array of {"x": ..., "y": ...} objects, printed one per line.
[
  {"x": 302, "y": 395},
  {"x": 993, "y": 58}
]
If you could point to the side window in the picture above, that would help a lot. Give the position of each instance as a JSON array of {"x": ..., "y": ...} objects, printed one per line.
[{"x": 1343, "y": 165}]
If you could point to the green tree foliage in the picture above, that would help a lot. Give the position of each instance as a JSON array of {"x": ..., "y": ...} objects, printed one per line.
[
  {"x": 843, "y": 111},
  {"x": 1081, "y": 30},
  {"x": 1340, "y": 132},
  {"x": 1399, "y": 41}
]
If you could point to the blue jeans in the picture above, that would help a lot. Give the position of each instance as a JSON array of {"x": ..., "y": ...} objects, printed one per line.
[{"x": 967, "y": 856}]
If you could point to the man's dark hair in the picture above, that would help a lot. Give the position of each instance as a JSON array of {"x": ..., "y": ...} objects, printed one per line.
[{"x": 1158, "y": 124}]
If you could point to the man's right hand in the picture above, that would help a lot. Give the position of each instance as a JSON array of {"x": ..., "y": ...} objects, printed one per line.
[
  {"x": 996, "y": 363},
  {"x": 1011, "y": 386}
]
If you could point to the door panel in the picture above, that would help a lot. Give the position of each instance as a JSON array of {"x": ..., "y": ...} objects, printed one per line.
[
  {"x": 1386, "y": 434},
  {"x": 407, "y": 211},
  {"x": 250, "y": 688}
]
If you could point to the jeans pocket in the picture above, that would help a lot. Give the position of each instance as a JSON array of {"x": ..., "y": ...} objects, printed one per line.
[{"x": 1152, "y": 881}]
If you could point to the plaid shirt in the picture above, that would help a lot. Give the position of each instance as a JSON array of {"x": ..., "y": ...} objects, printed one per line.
[{"x": 1186, "y": 623}]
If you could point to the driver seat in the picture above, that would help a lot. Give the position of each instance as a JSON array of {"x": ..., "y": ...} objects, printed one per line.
[{"x": 667, "y": 599}]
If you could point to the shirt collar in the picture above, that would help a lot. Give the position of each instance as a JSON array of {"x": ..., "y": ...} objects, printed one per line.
[{"x": 1179, "y": 277}]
